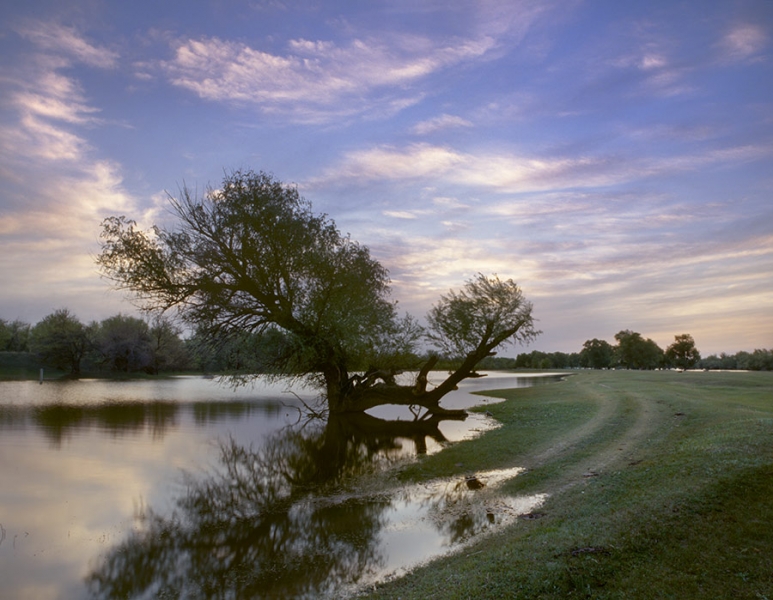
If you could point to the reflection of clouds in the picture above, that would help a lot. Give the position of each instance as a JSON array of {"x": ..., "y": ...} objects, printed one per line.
[
  {"x": 66, "y": 526},
  {"x": 80, "y": 497},
  {"x": 428, "y": 519},
  {"x": 64, "y": 504},
  {"x": 80, "y": 500}
]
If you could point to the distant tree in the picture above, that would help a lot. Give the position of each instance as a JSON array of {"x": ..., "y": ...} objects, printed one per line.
[
  {"x": 723, "y": 361},
  {"x": 251, "y": 256},
  {"x": 61, "y": 340},
  {"x": 168, "y": 351},
  {"x": 497, "y": 363},
  {"x": 5, "y": 335},
  {"x": 760, "y": 360},
  {"x": 683, "y": 353},
  {"x": 14, "y": 336},
  {"x": 124, "y": 344},
  {"x": 597, "y": 354},
  {"x": 712, "y": 361},
  {"x": 635, "y": 352},
  {"x": 545, "y": 360},
  {"x": 743, "y": 360}
]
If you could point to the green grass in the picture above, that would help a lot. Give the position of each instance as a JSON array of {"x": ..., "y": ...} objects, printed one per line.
[{"x": 660, "y": 484}]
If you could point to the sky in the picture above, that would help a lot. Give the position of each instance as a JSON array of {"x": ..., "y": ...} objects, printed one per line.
[{"x": 615, "y": 159}]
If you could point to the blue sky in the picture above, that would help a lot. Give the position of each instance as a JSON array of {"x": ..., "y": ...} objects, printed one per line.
[{"x": 613, "y": 158}]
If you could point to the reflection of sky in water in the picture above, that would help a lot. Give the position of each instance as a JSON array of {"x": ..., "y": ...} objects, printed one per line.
[{"x": 70, "y": 493}]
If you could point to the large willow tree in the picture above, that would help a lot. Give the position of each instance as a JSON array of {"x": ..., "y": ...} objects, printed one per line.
[{"x": 252, "y": 257}]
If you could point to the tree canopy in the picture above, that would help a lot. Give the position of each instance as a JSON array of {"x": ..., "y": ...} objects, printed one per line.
[
  {"x": 597, "y": 354},
  {"x": 251, "y": 256},
  {"x": 683, "y": 353},
  {"x": 635, "y": 352},
  {"x": 61, "y": 340}
]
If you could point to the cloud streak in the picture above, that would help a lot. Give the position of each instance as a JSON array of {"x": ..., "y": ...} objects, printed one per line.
[
  {"x": 57, "y": 189},
  {"x": 743, "y": 42},
  {"x": 312, "y": 78},
  {"x": 509, "y": 172}
]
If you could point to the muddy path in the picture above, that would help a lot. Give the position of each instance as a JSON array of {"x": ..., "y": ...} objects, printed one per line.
[{"x": 624, "y": 422}]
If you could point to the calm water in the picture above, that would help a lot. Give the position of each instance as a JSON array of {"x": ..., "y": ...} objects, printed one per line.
[{"x": 186, "y": 488}]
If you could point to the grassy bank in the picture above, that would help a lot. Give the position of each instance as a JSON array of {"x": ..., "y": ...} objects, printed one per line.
[{"x": 660, "y": 486}]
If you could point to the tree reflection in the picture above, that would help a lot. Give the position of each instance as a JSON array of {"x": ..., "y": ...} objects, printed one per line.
[
  {"x": 277, "y": 521},
  {"x": 59, "y": 421}
]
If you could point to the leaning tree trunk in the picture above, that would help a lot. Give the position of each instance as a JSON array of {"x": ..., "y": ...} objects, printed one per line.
[
  {"x": 359, "y": 393},
  {"x": 363, "y": 393}
]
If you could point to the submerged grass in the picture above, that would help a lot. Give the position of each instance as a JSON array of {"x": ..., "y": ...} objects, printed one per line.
[{"x": 660, "y": 485}]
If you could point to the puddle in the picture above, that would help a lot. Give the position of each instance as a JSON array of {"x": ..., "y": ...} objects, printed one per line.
[
  {"x": 229, "y": 540},
  {"x": 424, "y": 521}
]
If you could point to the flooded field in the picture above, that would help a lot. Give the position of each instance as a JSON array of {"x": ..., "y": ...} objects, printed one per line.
[{"x": 187, "y": 488}]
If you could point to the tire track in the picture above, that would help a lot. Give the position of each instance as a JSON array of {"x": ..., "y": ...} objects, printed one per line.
[{"x": 634, "y": 415}]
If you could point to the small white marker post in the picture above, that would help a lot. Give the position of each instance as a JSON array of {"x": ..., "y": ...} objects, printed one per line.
[{"x": 41, "y": 375}]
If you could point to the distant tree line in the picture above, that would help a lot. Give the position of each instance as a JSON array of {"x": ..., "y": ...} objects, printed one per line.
[
  {"x": 126, "y": 344},
  {"x": 117, "y": 344},
  {"x": 632, "y": 351}
]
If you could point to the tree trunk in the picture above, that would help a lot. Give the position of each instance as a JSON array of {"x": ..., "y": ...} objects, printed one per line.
[
  {"x": 362, "y": 394},
  {"x": 358, "y": 394}
]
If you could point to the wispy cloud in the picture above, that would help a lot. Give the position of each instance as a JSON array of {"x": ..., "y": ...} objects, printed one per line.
[
  {"x": 439, "y": 124},
  {"x": 518, "y": 173},
  {"x": 49, "y": 102},
  {"x": 57, "y": 189},
  {"x": 313, "y": 78},
  {"x": 400, "y": 214},
  {"x": 67, "y": 42},
  {"x": 653, "y": 71},
  {"x": 743, "y": 42}
]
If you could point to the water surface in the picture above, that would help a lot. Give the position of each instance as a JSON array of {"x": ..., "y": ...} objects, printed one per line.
[{"x": 189, "y": 488}]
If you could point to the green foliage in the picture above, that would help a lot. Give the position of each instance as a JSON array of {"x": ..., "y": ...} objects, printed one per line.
[
  {"x": 759, "y": 360},
  {"x": 487, "y": 308},
  {"x": 683, "y": 353},
  {"x": 597, "y": 354},
  {"x": 14, "y": 336},
  {"x": 62, "y": 341},
  {"x": 547, "y": 360},
  {"x": 168, "y": 349},
  {"x": 124, "y": 343},
  {"x": 250, "y": 266},
  {"x": 251, "y": 256},
  {"x": 128, "y": 345},
  {"x": 634, "y": 352}
]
